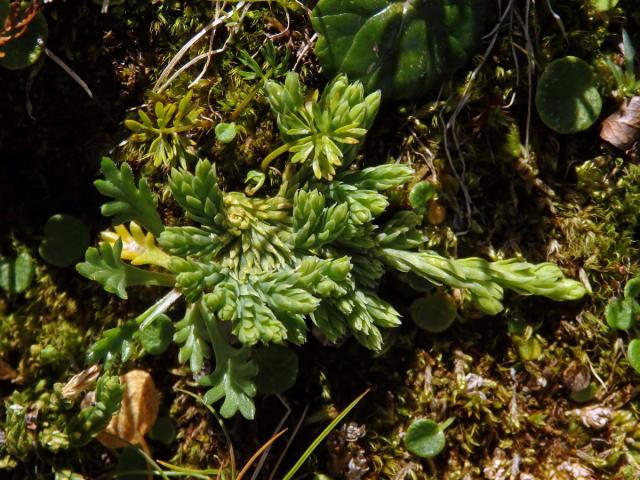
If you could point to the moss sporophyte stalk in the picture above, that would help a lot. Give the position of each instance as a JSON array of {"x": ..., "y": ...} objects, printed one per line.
[{"x": 260, "y": 270}]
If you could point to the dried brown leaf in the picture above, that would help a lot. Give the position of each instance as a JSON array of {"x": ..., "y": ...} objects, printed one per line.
[
  {"x": 137, "y": 414},
  {"x": 80, "y": 382},
  {"x": 7, "y": 372},
  {"x": 622, "y": 128}
]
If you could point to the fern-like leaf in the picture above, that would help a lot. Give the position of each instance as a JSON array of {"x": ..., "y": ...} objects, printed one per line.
[
  {"x": 106, "y": 267},
  {"x": 129, "y": 202}
]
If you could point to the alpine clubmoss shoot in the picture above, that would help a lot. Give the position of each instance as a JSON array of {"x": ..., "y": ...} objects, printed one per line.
[{"x": 258, "y": 270}]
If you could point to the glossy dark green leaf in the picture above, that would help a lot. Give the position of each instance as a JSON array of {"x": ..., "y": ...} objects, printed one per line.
[
  {"x": 424, "y": 438},
  {"x": 16, "y": 274},
  {"x": 403, "y": 47},
  {"x": 65, "y": 240},
  {"x": 24, "y": 50},
  {"x": 156, "y": 337},
  {"x": 434, "y": 313},
  {"x": 567, "y": 98},
  {"x": 278, "y": 369}
]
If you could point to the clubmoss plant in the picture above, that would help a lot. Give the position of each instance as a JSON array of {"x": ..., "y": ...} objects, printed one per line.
[{"x": 257, "y": 270}]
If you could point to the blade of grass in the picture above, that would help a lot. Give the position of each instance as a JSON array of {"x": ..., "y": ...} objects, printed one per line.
[
  {"x": 194, "y": 471},
  {"x": 307, "y": 453},
  {"x": 255, "y": 456},
  {"x": 289, "y": 443},
  {"x": 159, "y": 472}
]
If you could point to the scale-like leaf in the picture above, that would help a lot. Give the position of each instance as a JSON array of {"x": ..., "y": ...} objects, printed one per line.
[
  {"x": 90, "y": 421},
  {"x": 199, "y": 194}
]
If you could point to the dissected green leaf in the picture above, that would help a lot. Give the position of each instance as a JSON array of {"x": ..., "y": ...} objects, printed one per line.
[
  {"x": 403, "y": 48},
  {"x": 192, "y": 335},
  {"x": 105, "y": 266},
  {"x": 567, "y": 96},
  {"x": 65, "y": 240},
  {"x": 130, "y": 202},
  {"x": 233, "y": 376},
  {"x": 166, "y": 133},
  {"x": 114, "y": 342}
]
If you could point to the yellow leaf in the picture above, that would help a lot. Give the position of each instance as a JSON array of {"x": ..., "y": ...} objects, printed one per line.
[{"x": 137, "y": 247}]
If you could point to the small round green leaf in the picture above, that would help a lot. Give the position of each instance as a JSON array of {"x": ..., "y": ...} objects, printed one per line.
[
  {"x": 586, "y": 395},
  {"x": 619, "y": 313},
  {"x": 434, "y": 313},
  {"x": 634, "y": 354},
  {"x": 632, "y": 288},
  {"x": 226, "y": 132},
  {"x": 420, "y": 196},
  {"x": 424, "y": 438},
  {"x": 131, "y": 464},
  {"x": 16, "y": 274},
  {"x": 24, "y": 50},
  {"x": 156, "y": 336},
  {"x": 530, "y": 349},
  {"x": 567, "y": 98},
  {"x": 163, "y": 431},
  {"x": 278, "y": 369},
  {"x": 65, "y": 240}
]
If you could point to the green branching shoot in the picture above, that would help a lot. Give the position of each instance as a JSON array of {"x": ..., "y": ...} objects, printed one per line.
[{"x": 261, "y": 270}]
